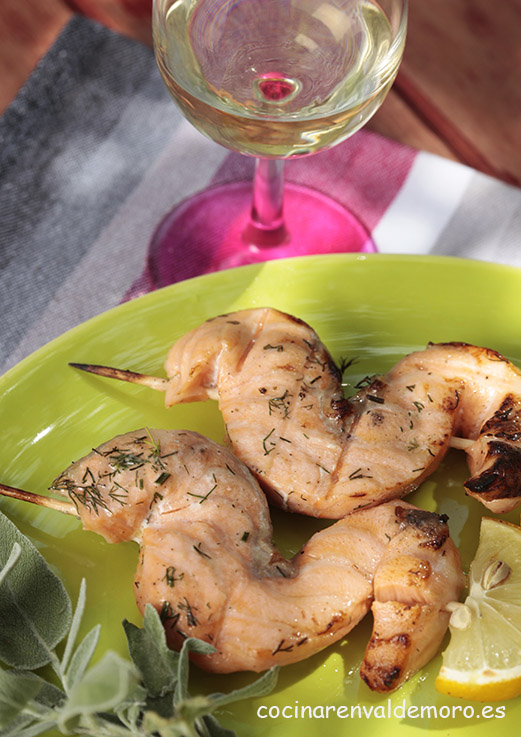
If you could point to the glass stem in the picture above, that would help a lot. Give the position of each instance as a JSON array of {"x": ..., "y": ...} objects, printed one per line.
[{"x": 266, "y": 227}]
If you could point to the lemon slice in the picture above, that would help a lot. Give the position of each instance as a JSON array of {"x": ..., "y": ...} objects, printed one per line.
[{"x": 483, "y": 659}]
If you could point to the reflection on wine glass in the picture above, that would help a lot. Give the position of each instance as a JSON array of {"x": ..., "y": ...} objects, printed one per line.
[{"x": 272, "y": 79}]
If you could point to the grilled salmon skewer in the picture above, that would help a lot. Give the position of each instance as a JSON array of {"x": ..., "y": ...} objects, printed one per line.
[
  {"x": 319, "y": 454},
  {"x": 208, "y": 564}
]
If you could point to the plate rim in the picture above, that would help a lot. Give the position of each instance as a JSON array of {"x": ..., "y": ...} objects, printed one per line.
[{"x": 10, "y": 375}]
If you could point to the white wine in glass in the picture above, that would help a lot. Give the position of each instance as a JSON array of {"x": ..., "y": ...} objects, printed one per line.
[{"x": 271, "y": 79}]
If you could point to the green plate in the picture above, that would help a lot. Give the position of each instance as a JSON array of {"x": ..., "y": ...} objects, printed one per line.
[{"x": 370, "y": 308}]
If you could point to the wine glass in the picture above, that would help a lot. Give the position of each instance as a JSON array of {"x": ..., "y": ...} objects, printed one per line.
[{"x": 274, "y": 80}]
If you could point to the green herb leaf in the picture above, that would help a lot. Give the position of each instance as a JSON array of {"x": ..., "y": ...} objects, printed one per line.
[
  {"x": 215, "y": 729},
  {"x": 16, "y": 690},
  {"x": 40, "y": 719},
  {"x": 49, "y": 696},
  {"x": 103, "y": 687},
  {"x": 151, "y": 655},
  {"x": 75, "y": 625},
  {"x": 196, "y": 709},
  {"x": 191, "y": 644},
  {"x": 24, "y": 726},
  {"x": 81, "y": 659},
  {"x": 114, "y": 698},
  {"x": 260, "y": 687},
  {"x": 35, "y": 609},
  {"x": 11, "y": 562}
]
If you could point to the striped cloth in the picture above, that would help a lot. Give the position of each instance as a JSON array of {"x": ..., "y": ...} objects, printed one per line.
[{"x": 93, "y": 153}]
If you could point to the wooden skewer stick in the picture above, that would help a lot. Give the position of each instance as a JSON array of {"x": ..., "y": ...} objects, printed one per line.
[
  {"x": 461, "y": 443},
  {"x": 43, "y": 501},
  {"x": 153, "y": 382}
]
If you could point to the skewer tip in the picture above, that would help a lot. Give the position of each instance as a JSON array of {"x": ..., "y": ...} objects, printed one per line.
[
  {"x": 152, "y": 382},
  {"x": 42, "y": 501},
  {"x": 461, "y": 443}
]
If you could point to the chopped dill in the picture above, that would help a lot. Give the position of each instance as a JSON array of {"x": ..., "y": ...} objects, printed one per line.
[
  {"x": 267, "y": 450},
  {"x": 117, "y": 496},
  {"x": 280, "y": 404},
  {"x": 88, "y": 474},
  {"x": 190, "y": 616},
  {"x": 162, "y": 478},
  {"x": 282, "y": 649},
  {"x": 366, "y": 381},
  {"x": 156, "y": 498},
  {"x": 197, "y": 549},
  {"x": 316, "y": 360},
  {"x": 121, "y": 460},
  {"x": 358, "y": 475},
  {"x": 87, "y": 495},
  {"x": 171, "y": 577},
  {"x": 203, "y": 497},
  {"x": 377, "y": 400},
  {"x": 167, "y": 615},
  {"x": 346, "y": 363}
]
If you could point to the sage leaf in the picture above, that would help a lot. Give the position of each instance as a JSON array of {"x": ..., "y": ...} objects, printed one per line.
[
  {"x": 49, "y": 696},
  {"x": 191, "y": 644},
  {"x": 214, "y": 729},
  {"x": 154, "y": 724},
  {"x": 114, "y": 698},
  {"x": 26, "y": 727},
  {"x": 197, "y": 708},
  {"x": 178, "y": 726},
  {"x": 130, "y": 710},
  {"x": 35, "y": 609},
  {"x": 155, "y": 661},
  {"x": 43, "y": 697},
  {"x": 16, "y": 690},
  {"x": 11, "y": 561},
  {"x": 102, "y": 688},
  {"x": 260, "y": 687},
  {"x": 81, "y": 659},
  {"x": 193, "y": 708},
  {"x": 75, "y": 625}
]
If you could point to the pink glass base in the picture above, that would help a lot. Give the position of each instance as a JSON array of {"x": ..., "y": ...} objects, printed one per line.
[{"x": 209, "y": 232}]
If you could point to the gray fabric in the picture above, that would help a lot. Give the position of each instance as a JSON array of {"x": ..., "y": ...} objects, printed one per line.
[
  {"x": 74, "y": 143},
  {"x": 486, "y": 225}
]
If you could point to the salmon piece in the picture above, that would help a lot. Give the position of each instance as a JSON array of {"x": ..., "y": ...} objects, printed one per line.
[
  {"x": 488, "y": 415},
  {"x": 319, "y": 454},
  {"x": 208, "y": 565}
]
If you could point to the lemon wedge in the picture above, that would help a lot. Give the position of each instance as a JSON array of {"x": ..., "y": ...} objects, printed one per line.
[{"x": 483, "y": 659}]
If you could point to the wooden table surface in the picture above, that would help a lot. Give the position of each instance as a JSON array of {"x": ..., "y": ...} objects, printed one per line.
[{"x": 458, "y": 92}]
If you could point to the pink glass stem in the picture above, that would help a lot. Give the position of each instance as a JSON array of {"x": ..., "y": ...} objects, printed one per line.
[{"x": 266, "y": 227}]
